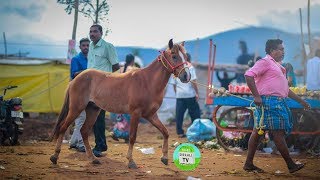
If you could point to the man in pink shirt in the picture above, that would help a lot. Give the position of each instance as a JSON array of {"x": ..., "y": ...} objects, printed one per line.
[{"x": 269, "y": 86}]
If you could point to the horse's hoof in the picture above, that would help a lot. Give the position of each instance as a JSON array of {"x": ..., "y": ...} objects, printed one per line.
[
  {"x": 53, "y": 159},
  {"x": 164, "y": 161},
  {"x": 96, "y": 161},
  {"x": 132, "y": 165}
]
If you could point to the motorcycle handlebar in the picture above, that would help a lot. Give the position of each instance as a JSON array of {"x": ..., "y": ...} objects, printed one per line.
[{"x": 11, "y": 87}]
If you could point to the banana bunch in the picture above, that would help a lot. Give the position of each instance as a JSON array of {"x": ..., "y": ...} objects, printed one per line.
[
  {"x": 299, "y": 90},
  {"x": 302, "y": 91}
]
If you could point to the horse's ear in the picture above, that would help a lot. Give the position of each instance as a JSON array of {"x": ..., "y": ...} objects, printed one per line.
[
  {"x": 170, "y": 44},
  {"x": 182, "y": 43}
]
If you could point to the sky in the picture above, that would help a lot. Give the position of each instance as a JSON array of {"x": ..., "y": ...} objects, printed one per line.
[{"x": 151, "y": 23}]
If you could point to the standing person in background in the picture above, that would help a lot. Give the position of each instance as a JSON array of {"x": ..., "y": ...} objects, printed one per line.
[
  {"x": 252, "y": 62},
  {"x": 225, "y": 81},
  {"x": 269, "y": 87},
  {"x": 187, "y": 95},
  {"x": 121, "y": 128},
  {"x": 129, "y": 65},
  {"x": 243, "y": 59},
  {"x": 291, "y": 77},
  {"x": 102, "y": 56},
  {"x": 313, "y": 72},
  {"x": 78, "y": 64}
]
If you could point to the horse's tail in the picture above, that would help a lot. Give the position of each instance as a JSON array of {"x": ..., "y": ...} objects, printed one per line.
[{"x": 62, "y": 116}]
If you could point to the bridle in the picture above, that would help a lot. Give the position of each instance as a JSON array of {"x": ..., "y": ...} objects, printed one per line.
[{"x": 172, "y": 68}]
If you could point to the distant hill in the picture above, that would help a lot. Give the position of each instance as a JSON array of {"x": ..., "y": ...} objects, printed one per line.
[
  {"x": 60, "y": 52},
  {"x": 227, "y": 47},
  {"x": 146, "y": 54}
]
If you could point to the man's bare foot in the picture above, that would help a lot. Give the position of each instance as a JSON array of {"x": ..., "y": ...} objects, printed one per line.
[
  {"x": 252, "y": 168},
  {"x": 296, "y": 168}
]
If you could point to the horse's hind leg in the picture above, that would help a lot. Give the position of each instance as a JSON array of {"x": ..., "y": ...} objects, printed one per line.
[
  {"x": 154, "y": 120},
  {"x": 92, "y": 112},
  {"x": 69, "y": 119},
  {"x": 134, "y": 121}
]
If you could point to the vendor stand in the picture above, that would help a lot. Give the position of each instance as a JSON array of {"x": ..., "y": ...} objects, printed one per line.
[
  {"x": 238, "y": 117},
  {"x": 235, "y": 123}
]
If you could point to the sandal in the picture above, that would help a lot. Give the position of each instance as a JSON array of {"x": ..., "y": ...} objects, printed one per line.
[
  {"x": 296, "y": 168},
  {"x": 253, "y": 168}
]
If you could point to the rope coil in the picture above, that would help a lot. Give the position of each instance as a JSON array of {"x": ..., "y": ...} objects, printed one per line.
[{"x": 260, "y": 126}]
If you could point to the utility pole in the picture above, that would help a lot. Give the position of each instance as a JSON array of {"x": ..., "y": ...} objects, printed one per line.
[
  {"x": 309, "y": 33},
  {"x": 304, "y": 57},
  {"x": 5, "y": 44}
]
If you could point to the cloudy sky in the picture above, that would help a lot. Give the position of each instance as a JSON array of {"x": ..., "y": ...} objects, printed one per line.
[{"x": 151, "y": 23}]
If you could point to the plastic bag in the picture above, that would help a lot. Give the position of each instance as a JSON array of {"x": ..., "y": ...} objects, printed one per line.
[
  {"x": 147, "y": 150},
  {"x": 201, "y": 130}
]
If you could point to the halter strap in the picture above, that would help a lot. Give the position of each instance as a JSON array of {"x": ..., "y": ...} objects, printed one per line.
[{"x": 171, "y": 67}]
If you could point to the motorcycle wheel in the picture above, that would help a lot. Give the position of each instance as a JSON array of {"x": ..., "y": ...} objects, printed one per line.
[
  {"x": 2, "y": 138},
  {"x": 13, "y": 135}
]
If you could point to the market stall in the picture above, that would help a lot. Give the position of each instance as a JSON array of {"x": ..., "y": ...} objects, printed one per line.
[{"x": 233, "y": 116}]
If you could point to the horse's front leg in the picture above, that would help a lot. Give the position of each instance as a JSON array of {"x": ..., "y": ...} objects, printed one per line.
[
  {"x": 154, "y": 120},
  {"x": 134, "y": 121}
]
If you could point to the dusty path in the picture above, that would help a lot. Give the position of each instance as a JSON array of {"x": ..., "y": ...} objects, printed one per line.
[{"x": 30, "y": 160}]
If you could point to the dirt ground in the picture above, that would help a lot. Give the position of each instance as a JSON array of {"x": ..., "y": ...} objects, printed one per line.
[{"x": 30, "y": 160}]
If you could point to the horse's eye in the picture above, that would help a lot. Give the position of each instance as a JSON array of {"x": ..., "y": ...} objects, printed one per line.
[{"x": 174, "y": 58}]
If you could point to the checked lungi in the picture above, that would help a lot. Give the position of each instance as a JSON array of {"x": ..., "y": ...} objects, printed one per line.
[{"x": 277, "y": 115}]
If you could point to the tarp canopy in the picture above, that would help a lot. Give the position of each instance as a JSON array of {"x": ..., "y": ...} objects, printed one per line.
[{"x": 40, "y": 85}]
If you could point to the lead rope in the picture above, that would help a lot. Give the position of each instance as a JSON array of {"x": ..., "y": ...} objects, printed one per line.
[{"x": 260, "y": 126}]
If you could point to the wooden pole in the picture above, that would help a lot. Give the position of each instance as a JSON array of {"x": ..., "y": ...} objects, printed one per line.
[
  {"x": 213, "y": 62},
  {"x": 5, "y": 44},
  {"x": 209, "y": 100},
  {"x": 303, "y": 49},
  {"x": 309, "y": 33}
]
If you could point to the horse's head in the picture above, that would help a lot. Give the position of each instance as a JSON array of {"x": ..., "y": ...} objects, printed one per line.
[{"x": 175, "y": 60}]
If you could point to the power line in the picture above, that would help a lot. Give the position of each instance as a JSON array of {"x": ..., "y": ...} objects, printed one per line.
[{"x": 35, "y": 44}]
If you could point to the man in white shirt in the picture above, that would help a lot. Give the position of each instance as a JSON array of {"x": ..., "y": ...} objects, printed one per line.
[
  {"x": 313, "y": 72},
  {"x": 187, "y": 98}
]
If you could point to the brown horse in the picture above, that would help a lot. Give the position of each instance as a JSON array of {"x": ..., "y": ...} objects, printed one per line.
[{"x": 138, "y": 92}]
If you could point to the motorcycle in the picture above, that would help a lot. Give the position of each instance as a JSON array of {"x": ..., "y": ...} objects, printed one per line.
[{"x": 11, "y": 119}]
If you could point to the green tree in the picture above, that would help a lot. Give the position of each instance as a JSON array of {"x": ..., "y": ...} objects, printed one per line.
[
  {"x": 72, "y": 4},
  {"x": 97, "y": 10}
]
